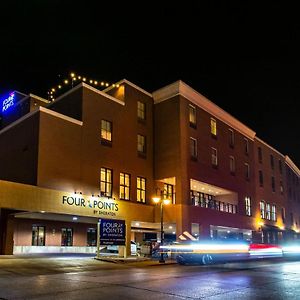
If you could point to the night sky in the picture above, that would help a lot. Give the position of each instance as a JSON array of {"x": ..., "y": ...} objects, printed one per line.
[{"x": 243, "y": 56}]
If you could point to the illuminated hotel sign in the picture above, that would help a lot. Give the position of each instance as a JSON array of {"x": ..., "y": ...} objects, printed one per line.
[
  {"x": 102, "y": 206},
  {"x": 112, "y": 232},
  {"x": 8, "y": 102}
]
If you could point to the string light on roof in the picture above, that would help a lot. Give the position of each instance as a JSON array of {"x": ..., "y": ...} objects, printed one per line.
[{"x": 73, "y": 77}]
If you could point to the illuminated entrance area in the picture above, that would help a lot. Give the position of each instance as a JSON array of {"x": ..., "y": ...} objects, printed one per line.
[{"x": 213, "y": 197}]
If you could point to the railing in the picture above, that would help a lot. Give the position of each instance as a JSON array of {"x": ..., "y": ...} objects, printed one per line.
[{"x": 214, "y": 204}]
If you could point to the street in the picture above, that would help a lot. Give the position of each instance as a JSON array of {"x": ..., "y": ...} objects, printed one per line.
[{"x": 86, "y": 278}]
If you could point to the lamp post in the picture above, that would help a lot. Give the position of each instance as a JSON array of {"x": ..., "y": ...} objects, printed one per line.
[{"x": 160, "y": 200}]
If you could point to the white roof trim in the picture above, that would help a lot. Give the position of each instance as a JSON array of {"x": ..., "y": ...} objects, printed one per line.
[
  {"x": 129, "y": 83},
  {"x": 39, "y": 98},
  {"x": 181, "y": 88},
  {"x": 273, "y": 149},
  {"x": 291, "y": 164},
  {"x": 61, "y": 116}
]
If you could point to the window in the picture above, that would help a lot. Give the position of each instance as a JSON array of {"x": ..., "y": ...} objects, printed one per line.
[
  {"x": 246, "y": 146},
  {"x": 141, "y": 110},
  {"x": 248, "y": 206},
  {"x": 67, "y": 237},
  {"x": 281, "y": 187},
  {"x": 283, "y": 214},
  {"x": 231, "y": 138},
  {"x": 91, "y": 237},
  {"x": 268, "y": 211},
  {"x": 272, "y": 161},
  {"x": 292, "y": 218},
  {"x": 169, "y": 192},
  {"x": 141, "y": 190},
  {"x": 262, "y": 209},
  {"x": 247, "y": 171},
  {"x": 106, "y": 131},
  {"x": 231, "y": 164},
  {"x": 273, "y": 184},
  {"x": 106, "y": 182},
  {"x": 214, "y": 157},
  {"x": 280, "y": 166},
  {"x": 213, "y": 127},
  {"x": 273, "y": 213},
  {"x": 141, "y": 144},
  {"x": 38, "y": 235},
  {"x": 193, "y": 147},
  {"x": 192, "y": 116},
  {"x": 261, "y": 178},
  {"x": 124, "y": 186},
  {"x": 259, "y": 154}
]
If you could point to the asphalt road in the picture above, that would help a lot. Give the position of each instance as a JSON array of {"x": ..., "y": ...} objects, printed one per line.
[{"x": 85, "y": 278}]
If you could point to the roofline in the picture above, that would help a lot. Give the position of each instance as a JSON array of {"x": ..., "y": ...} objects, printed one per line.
[
  {"x": 266, "y": 144},
  {"x": 39, "y": 98},
  {"x": 181, "y": 88},
  {"x": 292, "y": 165},
  {"x": 129, "y": 83},
  {"x": 82, "y": 84}
]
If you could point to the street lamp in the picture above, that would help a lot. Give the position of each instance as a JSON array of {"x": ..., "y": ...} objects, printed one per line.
[{"x": 160, "y": 200}]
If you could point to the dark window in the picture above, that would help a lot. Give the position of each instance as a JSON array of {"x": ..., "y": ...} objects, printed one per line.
[
  {"x": 231, "y": 164},
  {"x": 280, "y": 166},
  {"x": 214, "y": 157},
  {"x": 292, "y": 218},
  {"x": 67, "y": 237},
  {"x": 259, "y": 154},
  {"x": 193, "y": 147},
  {"x": 247, "y": 171},
  {"x": 261, "y": 178},
  {"x": 92, "y": 237},
  {"x": 231, "y": 138},
  {"x": 272, "y": 161},
  {"x": 124, "y": 186},
  {"x": 273, "y": 183},
  {"x": 38, "y": 235},
  {"x": 283, "y": 214},
  {"x": 141, "y": 110},
  {"x": 246, "y": 146},
  {"x": 141, "y": 189},
  {"x": 106, "y": 182},
  {"x": 106, "y": 131},
  {"x": 281, "y": 187}
]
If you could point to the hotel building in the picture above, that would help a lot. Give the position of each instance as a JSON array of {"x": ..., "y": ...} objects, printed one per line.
[{"x": 95, "y": 153}]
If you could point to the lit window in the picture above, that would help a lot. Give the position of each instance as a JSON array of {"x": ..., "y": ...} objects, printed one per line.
[
  {"x": 141, "y": 190},
  {"x": 273, "y": 213},
  {"x": 262, "y": 209},
  {"x": 247, "y": 171},
  {"x": 231, "y": 164},
  {"x": 169, "y": 192},
  {"x": 214, "y": 156},
  {"x": 193, "y": 147},
  {"x": 141, "y": 110},
  {"x": 67, "y": 237},
  {"x": 38, "y": 235},
  {"x": 106, "y": 130},
  {"x": 248, "y": 206},
  {"x": 106, "y": 182},
  {"x": 141, "y": 143},
  {"x": 231, "y": 138},
  {"x": 192, "y": 115},
  {"x": 213, "y": 127},
  {"x": 268, "y": 211},
  {"x": 124, "y": 186}
]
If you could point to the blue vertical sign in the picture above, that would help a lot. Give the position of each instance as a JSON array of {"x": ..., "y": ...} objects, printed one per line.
[
  {"x": 8, "y": 103},
  {"x": 112, "y": 232}
]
